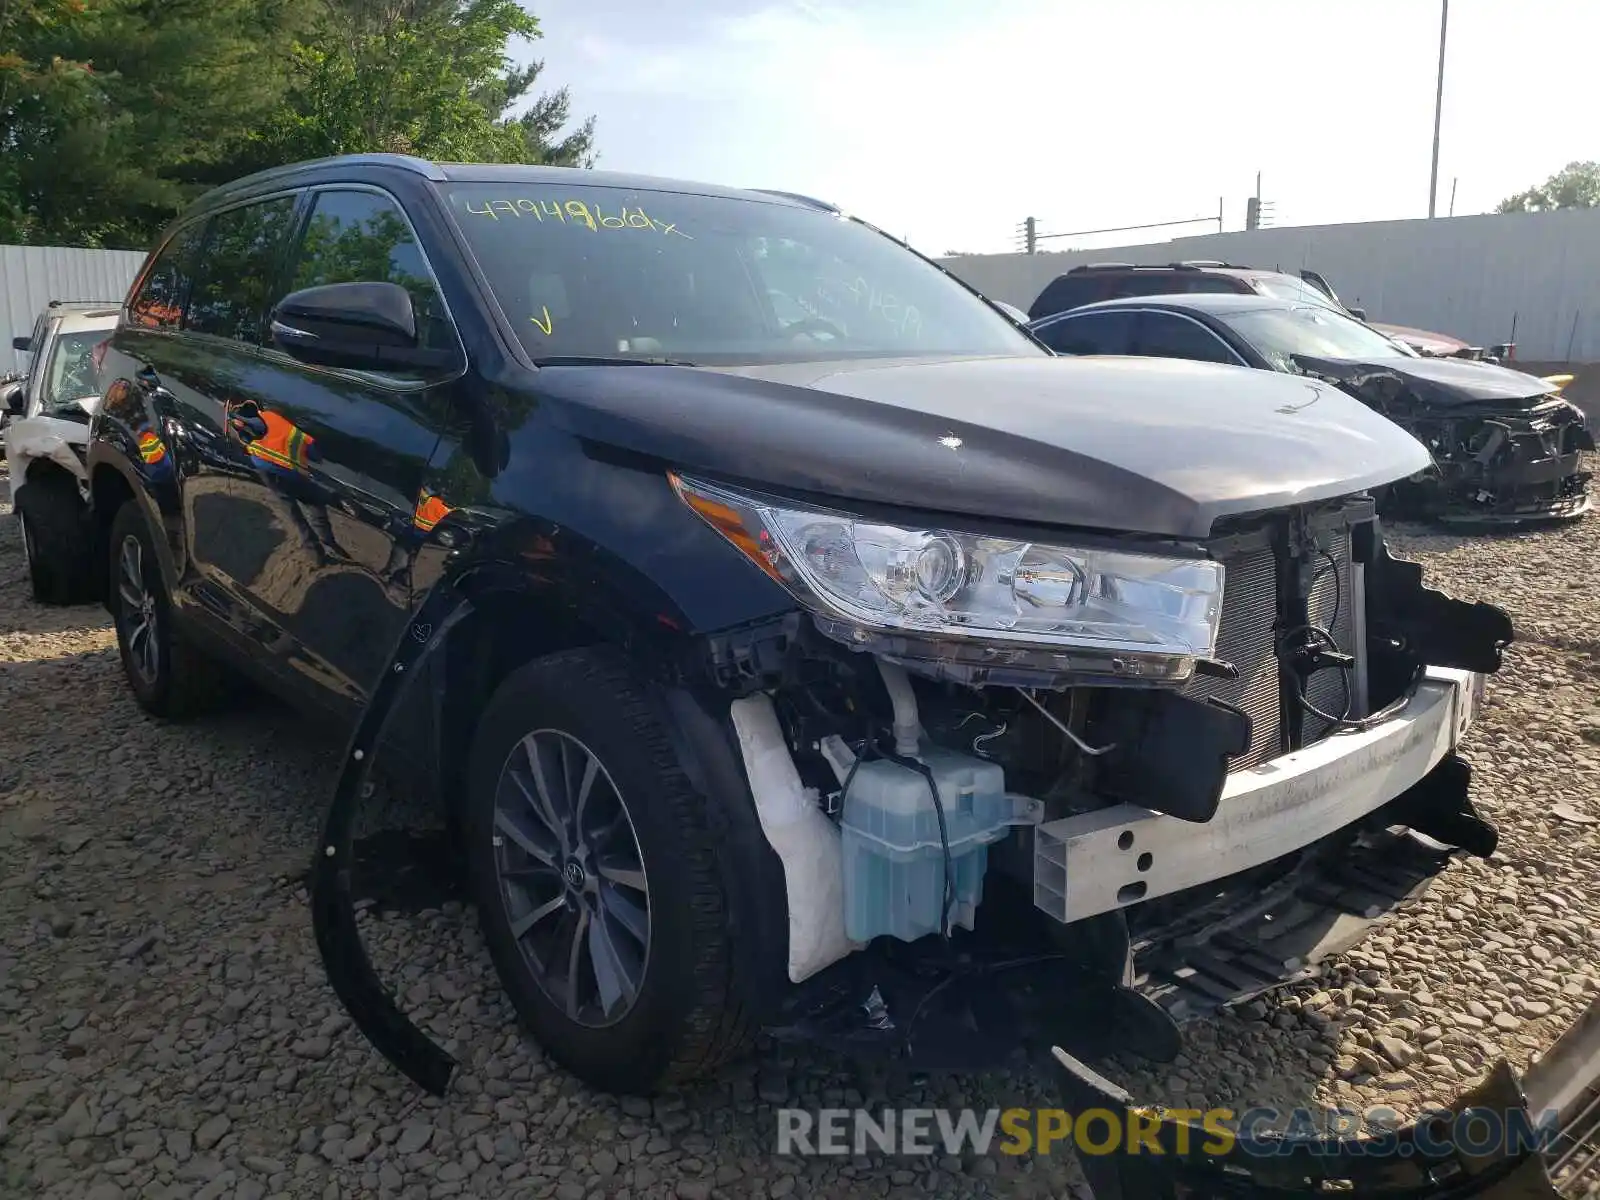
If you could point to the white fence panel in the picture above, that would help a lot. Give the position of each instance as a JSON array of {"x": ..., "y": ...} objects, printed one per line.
[
  {"x": 1470, "y": 277},
  {"x": 32, "y": 276}
]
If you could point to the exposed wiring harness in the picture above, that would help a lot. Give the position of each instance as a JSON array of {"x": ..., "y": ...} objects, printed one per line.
[
  {"x": 1343, "y": 722},
  {"x": 968, "y": 971},
  {"x": 949, "y": 891}
]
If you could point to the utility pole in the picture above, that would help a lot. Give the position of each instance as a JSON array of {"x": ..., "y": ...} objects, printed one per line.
[
  {"x": 1030, "y": 234},
  {"x": 1256, "y": 210},
  {"x": 1438, "y": 108}
]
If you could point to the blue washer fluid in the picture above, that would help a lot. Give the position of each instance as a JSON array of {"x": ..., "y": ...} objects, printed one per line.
[{"x": 893, "y": 857}]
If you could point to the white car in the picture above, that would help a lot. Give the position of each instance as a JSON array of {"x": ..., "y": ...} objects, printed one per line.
[{"x": 45, "y": 443}]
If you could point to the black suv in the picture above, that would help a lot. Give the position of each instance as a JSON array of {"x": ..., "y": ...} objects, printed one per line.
[
  {"x": 1094, "y": 282},
  {"x": 794, "y": 642}
]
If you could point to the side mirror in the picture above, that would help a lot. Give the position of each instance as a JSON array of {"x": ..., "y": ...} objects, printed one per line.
[
  {"x": 1359, "y": 314},
  {"x": 16, "y": 400},
  {"x": 21, "y": 343},
  {"x": 363, "y": 326}
]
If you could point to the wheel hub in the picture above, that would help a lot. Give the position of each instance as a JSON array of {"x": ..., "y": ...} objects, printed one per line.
[{"x": 575, "y": 877}]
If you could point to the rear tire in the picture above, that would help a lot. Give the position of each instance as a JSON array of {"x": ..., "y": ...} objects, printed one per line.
[
  {"x": 169, "y": 677},
  {"x": 635, "y": 857},
  {"x": 56, "y": 539}
]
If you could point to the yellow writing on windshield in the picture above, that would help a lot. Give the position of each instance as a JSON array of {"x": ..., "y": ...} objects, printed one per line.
[
  {"x": 546, "y": 325},
  {"x": 575, "y": 212}
]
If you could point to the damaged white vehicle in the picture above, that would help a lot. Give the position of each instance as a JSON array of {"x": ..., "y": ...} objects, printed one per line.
[{"x": 45, "y": 442}]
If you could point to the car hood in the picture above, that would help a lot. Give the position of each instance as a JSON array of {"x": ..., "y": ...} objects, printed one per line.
[
  {"x": 1146, "y": 446},
  {"x": 1440, "y": 381},
  {"x": 1421, "y": 339}
]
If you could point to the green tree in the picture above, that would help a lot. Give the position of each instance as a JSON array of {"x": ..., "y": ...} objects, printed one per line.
[
  {"x": 112, "y": 114},
  {"x": 115, "y": 113},
  {"x": 1576, "y": 185},
  {"x": 428, "y": 77},
  {"x": 543, "y": 127}
]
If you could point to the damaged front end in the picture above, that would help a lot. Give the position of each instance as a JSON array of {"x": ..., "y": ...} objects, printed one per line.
[
  {"x": 1499, "y": 458},
  {"x": 1125, "y": 840},
  {"x": 1528, "y": 1136},
  {"x": 1498, "y": 466},
  {"x": 61, "y": 439},
  {"x": 1201, "y": 768}
]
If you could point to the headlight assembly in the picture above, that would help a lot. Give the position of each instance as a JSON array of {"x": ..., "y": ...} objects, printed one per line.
[{"x": 1141, "y": 615}]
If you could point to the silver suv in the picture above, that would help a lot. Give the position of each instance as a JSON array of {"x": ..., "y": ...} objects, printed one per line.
[{"x": 45, "y": 442}]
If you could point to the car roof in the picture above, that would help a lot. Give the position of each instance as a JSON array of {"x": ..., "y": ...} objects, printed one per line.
[
  {"x": 324, "y": 170},
  {"x": 69, "y": 320},
  {"x": 1187, "y": 266},
  {"x": 1205, "y": 302}
]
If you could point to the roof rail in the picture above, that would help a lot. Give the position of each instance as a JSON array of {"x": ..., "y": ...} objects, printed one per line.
[
  {"x": 84, "y": 304},
  {"x": 405, "y": 162},
  {"x": 1188, "y": 264},
  {"x": 808, "y": 201}
]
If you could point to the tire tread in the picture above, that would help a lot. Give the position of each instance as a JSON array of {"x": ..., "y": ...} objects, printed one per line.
[
  {"x": 195, "y": 683},
  {"x": 62, "y": 572},
  {"x": 719, "y": 1026}
]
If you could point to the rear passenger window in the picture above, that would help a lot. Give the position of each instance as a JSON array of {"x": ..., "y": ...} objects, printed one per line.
[
  {"x": 363, "y": 237},
  {"x": 1091, "y": 333},
  {"x": 1067, "y": 292},
  {"x": 1214, "y": 284},
  {"x": 1151, "y": 283},
  {"x": 1162, "y": 335},
  {"x": 237, "y": 270},
  {"x": 159, "y": 302}
]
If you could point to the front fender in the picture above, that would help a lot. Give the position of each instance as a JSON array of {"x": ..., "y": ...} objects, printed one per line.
[
  {"x": 30, "y": 439},
  {"x": 698, "y": 728}
]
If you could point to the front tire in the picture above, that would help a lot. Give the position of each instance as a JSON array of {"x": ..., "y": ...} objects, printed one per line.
[
  {"x": 55, "y": 539},
  {"x": 169, "y": 677},
  {"x": 596, "y": 878}
]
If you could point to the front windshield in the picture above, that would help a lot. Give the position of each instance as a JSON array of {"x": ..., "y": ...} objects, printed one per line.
[
  {"x": 74, "y": 372},
  {"x": 587, "y": 271},
  {"x": 1310, "y": 329}
]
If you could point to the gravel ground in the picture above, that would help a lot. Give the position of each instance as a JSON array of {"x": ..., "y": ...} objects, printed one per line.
[{"x": 166, "y": 1031}]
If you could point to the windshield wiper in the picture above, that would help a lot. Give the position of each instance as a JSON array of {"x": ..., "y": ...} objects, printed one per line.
[{"x": 602, "y": 360}]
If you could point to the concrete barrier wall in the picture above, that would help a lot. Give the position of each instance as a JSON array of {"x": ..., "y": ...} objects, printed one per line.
[{"x": 1470, "y": 277}]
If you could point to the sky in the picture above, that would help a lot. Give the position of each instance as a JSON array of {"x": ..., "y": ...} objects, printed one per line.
[{"x": 949, "y": 123}]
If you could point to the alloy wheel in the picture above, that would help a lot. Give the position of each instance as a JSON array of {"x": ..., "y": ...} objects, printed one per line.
[
  {"x": 136, "y": 613},
  {"x": 571, "y": 877}
]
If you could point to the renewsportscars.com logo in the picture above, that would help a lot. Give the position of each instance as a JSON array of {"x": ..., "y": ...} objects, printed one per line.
[{"x": 1217, "y": 1131}]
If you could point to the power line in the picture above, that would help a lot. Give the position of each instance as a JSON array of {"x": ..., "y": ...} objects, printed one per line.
[{"x": 1030, "y": 235}]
